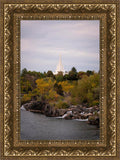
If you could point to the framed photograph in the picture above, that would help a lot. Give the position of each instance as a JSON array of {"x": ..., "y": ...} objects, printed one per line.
[
  {"x": 66, "y": 91},
  {"x": 60, "y": 79}
]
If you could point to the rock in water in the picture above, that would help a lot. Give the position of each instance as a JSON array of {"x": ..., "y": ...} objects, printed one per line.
[{"x": 68, "y": 115}]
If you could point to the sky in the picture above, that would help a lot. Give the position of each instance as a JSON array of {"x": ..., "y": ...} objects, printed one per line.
[{"x": 43, "y": 41}]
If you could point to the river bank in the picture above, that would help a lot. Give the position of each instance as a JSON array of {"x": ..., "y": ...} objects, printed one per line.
[{"x": 91, "y": 115}]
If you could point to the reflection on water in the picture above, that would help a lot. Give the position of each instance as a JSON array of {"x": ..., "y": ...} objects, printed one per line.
[{"x": 35, "y": 126}]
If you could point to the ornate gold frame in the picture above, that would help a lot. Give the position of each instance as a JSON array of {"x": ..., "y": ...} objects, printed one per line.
[{"x": 108, "y": 13}]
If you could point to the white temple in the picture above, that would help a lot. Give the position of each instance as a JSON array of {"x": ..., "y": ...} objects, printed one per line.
[{"x": 60, "y": 68}]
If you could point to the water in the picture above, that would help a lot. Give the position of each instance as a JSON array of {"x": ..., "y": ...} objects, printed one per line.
[
  {"x": 35, "y": 126},
  {"x": 70, "y": 112}
]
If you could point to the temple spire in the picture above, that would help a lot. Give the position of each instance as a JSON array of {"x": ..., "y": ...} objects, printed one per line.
[{"x": 60, "y": 68}]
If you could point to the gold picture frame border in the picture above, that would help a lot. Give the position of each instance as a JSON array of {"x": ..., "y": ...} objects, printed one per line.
[
  {"x": 8, "y": 149},
  {"x": 59, "y": 16}
]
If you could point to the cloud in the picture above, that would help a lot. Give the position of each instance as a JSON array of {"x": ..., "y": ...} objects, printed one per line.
[{"x": 43, "y": 41}]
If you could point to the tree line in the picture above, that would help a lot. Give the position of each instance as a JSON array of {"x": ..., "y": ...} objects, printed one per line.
[{"x": 60, "y": 90}]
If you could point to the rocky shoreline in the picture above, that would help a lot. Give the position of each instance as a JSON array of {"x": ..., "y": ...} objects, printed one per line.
[{"x": 73, "y": 112}]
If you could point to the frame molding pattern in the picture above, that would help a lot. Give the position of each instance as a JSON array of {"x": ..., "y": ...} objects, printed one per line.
[{"x": 109, "y": 149}]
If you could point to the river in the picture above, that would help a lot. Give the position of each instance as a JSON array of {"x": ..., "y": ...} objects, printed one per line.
[{"x": 35, "y": 126}]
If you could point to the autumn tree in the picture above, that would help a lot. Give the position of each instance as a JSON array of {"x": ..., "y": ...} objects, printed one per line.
[
  {"x": 44, "y": 85},
  {"x": 45, "y": 88},
  {"x": 87, "y": 90},
  {"x": 81, "y": 74},
  {"x": 66, "y": 86},
  {"x": 52, "y": 95}
]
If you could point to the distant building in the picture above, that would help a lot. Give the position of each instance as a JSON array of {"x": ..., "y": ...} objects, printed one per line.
[{"x": 60, "y": 68}]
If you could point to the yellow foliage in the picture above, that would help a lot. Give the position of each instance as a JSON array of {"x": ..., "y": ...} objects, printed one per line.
[
  {"x": 52, "y": 95},
  {"x": 26, "y": 97},
  {"x": 66, "y": 86},
  {"x": 43, "y": 85}
]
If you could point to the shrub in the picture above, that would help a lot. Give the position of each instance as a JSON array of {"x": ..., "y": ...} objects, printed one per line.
[
  {"x": 74, "y": 101},
  {"x": 94, "y": 103},
  {"x": 26, "y": 98},
  {"x": 62, "y": 105}
]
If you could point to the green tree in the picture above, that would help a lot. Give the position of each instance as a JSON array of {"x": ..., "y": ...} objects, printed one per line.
[
  {"x": 87, "y": 90},
  {"x": 65, "y": 77},
  {"x": 73, "y": 74},
  {"x": 74, "y": 70},
  {"x": 89, "y": 72},
  {"x": 24, "y": 71},
  {"x": 45, "y": 74},
  {"x": 50, "y": 74},
  {"x": 25, "y": 86},
  {"x": 58, "y": 89},
  {"x": 59, "y": 77}
]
